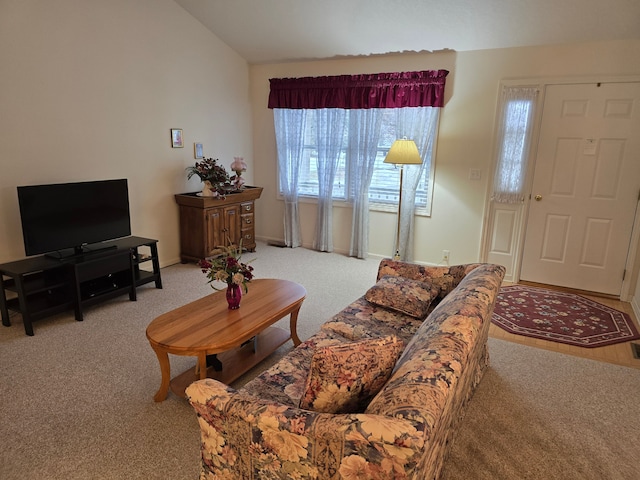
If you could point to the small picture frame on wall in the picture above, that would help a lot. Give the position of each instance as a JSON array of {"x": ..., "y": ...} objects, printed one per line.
[
  {"x": 197, "y": 150},
  {"x": 176, "y": 138}
]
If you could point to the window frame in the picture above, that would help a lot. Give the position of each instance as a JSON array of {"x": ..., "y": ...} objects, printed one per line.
[{"x": 342, "y": 202}]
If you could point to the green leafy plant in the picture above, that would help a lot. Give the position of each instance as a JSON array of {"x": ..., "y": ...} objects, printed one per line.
[{"x": 209, "y": 170}]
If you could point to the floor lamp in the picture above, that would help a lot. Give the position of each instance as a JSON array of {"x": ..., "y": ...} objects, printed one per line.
[{"x": 402, "y": 152}]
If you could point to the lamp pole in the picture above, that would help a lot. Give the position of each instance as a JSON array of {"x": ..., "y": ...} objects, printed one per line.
[
  {"x": 402, "y": 152},
  {"x": 397, "y": 255}
]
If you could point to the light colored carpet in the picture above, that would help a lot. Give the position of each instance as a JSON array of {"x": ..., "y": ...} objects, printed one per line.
[{"x": 76, "y": 400}]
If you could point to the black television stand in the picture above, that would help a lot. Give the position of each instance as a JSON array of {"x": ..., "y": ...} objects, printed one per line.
[
  {"x": 42, "y": 286},
  {"x": 79, "y": 251}
]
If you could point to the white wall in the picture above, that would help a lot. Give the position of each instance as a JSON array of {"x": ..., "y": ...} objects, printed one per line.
[
  {"x": 465, "y": 139},
  {"x": 89, "y": 89}
]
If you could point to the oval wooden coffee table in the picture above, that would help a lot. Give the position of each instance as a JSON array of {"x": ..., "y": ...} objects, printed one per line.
[{"x": 207, "y": 327}]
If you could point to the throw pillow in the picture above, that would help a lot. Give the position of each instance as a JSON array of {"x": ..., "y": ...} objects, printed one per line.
[
  {"x": 411, "y": 297},
  {"x": 343, "y": 378}
]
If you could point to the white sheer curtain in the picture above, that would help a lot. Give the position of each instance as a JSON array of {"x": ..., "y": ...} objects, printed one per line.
[
  {"x": 364, "y": 133},
  {"x": 290, "y": 125},
  {"x": 419, "y": 124},
  {"x": 513, "y": 140},
  {"x": 330, "y": 123}
]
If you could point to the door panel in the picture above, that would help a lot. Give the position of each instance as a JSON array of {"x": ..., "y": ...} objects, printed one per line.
[
  {"x": 555, "y": 239},
  {"x": 505, "y": 223},
  {"x": 214, "y": 229},
  {"x": 585, "y": 187},
  {"x": 232, "y": 225}
]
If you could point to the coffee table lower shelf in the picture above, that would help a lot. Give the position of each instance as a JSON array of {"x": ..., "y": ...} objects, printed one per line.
[{"x": 235, "y": 362}]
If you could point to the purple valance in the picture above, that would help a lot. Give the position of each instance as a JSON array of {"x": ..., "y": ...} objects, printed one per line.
[{"x": 379, "y": 90}]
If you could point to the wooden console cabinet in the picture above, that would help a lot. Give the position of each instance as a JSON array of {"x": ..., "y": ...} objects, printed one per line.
[
  {"x": 207, "y": 223},
  {"x": 41, "y": 286}
]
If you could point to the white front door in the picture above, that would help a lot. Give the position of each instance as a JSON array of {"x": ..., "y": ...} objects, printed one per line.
[{"x": 585, "y": 187}]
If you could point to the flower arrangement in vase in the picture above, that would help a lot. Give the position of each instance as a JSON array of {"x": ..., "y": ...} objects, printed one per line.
[
  {"x": 229, "y": 268},
  {"x": 214, "y": 176}
]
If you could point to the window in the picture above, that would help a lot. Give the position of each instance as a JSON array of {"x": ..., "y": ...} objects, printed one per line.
[
  {"x": 386, "y": 177},
  {"x": 514, "y": 136},
  {"x": 349, "y": 110}
]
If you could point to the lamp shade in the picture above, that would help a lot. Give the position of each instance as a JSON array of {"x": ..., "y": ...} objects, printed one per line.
[{"x": 403, "y": 152}]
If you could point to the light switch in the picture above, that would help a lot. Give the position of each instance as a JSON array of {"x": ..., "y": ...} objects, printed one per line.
[{"x": 475, "y": 174}]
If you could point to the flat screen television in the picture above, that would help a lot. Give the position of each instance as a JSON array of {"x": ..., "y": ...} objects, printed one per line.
[{"x": 62, "y": 216}]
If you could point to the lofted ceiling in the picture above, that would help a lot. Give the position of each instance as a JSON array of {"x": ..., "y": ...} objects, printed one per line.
[{"x": 273, "y": 31}]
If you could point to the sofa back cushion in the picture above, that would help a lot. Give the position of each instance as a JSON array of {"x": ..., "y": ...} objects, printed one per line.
[
  {"x": 404, "y": 295},
  {"x": 343, "y": 378},
  {"x": 419, "y": 388},
  {"x": 443, "y": 278}
]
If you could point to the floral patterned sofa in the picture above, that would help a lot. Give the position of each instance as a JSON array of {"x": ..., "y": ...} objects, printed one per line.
[{"x": 342, "y": 405}]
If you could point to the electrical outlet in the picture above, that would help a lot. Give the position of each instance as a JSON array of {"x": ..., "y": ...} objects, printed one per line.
[
  {"x": 445, "y": 255},
  {"x": 475, "y": 174}
]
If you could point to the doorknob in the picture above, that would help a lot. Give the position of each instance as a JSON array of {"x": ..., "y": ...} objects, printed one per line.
[{"x": 538, "y": 198}]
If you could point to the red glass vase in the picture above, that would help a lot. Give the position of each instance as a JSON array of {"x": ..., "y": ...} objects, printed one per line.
[{"x": 234, "y": 295}]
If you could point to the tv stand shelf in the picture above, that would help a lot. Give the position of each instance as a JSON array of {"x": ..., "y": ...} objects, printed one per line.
[{"x": 41, "y": 286}]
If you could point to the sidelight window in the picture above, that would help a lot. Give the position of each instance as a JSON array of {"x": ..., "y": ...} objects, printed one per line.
[{"x": 513, "y": 142}]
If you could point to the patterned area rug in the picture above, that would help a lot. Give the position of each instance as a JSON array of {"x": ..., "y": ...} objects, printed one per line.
[{"x": 561, "y": 317}]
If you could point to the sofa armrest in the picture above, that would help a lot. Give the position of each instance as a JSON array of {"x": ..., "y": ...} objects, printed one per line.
[
  {"x": 446, "y": 278},
  {"x": 243, "y": 436}
]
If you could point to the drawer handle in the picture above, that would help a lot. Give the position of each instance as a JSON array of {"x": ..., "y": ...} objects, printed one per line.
[
  {"x": 248, "y": 220},
  {"x": 248, "y": 236},
  {"x": 248, "y": 208}
]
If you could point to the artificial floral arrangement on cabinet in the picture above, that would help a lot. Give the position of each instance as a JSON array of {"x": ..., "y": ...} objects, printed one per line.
[{"x": 216, "y": 179}]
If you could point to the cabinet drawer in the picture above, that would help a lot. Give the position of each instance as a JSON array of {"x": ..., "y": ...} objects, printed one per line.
[
  {"x": 247, "y": 220},
  {"x": 246, "y": 207},
  {"x": 247, "y": 238},
  {"x": 103, "y": 266}
]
